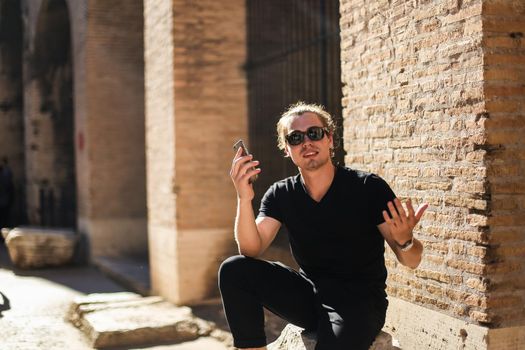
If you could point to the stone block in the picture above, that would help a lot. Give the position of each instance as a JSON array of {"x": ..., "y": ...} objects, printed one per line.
[
  {"x": 294, "y": 338},
  {"x": 34, "y": 247},
  {"x": 127, "y": 319}
]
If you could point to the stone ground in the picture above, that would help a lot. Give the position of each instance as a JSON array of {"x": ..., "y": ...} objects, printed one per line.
[{"x": 33, "y": 304}]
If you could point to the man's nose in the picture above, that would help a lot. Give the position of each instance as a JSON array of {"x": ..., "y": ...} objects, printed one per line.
[{"x": 306, "y": 141}]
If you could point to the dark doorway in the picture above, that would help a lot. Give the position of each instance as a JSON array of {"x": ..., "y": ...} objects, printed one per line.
[
  {"x": 12, "y": 173},
  {"x": 293, "y": 55},
  {"x": 54, "y": 168}
]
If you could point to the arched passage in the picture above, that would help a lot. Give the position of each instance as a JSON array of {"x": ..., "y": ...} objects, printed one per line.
[
  {"x": 11, "y": 116},
  {"x": 51, "y": 159}
]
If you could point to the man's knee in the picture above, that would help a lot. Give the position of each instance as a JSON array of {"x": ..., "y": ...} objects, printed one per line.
[
  {"x": 232, "y": 268},
  {"x": 355, "y": 331}
]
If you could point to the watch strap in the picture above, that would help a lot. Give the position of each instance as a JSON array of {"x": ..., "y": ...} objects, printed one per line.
[{"x": 406, "y": 246}]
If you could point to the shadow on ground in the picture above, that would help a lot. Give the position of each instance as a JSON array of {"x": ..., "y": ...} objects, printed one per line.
[
  {"x": 89, "y": 279},
  {"x": 6, "y": 305},
  {"x": 77, "y": 277}
]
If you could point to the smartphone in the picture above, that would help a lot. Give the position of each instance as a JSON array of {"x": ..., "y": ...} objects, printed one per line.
[{"x": 244, "y": 152}]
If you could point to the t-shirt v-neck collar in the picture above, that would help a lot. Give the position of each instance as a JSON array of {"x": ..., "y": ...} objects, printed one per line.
[{"x": 326, "y": 195}]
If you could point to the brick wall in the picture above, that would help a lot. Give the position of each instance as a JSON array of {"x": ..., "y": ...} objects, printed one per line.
[
  {"x": 433, "y": 102},
  {"x": 504, "y": 61},
  {"x": 414, "y": 113},
  {"x": 210, "y": 108}
]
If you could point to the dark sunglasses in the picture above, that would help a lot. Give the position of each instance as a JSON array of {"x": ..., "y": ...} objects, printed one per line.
[{"x": 314, "y": 133}]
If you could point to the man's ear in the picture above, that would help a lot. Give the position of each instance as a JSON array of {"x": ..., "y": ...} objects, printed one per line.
[{"x": 331, "y": 137}]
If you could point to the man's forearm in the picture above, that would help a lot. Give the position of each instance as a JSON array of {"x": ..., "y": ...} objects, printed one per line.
[{"x": 246, "y": 234}]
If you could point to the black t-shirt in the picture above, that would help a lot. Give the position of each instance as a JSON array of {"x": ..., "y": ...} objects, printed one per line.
[{"x": 338, "y": 236}]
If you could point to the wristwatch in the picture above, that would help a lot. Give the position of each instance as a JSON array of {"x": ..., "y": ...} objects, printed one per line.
[{"x": 406, "y": 246}]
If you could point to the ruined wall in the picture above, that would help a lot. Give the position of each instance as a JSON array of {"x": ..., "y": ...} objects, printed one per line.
[
  {"x": 105, "y": 132},
  {"x": 414, "y": 108},
  {"x": 432, "y": 103}
]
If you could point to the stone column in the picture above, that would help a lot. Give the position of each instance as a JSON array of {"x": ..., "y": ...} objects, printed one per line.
[
  {"x": 504, "y": 151},
  {"x": 433, "y": 102},
  {"x": 195, "y": 110},
  {"x": 112, "y": 135}
]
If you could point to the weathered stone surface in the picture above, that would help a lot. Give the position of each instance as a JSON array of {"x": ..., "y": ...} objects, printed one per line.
[
  {"x": 124, "y": 319},
  {"x": 32, "y": 247},
  {"x": 293, "y": 338},
  {"x": 83, "y": 304},
  {"x": 105, "y": 298}
]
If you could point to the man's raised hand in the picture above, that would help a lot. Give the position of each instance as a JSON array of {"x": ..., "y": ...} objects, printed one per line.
[
  {"x": 400, "y": 223},
  {"x": 243, "y": 167}
]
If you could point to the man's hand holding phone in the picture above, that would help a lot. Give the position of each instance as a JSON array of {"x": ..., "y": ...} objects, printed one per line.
[{"x": 243, "y": 171}]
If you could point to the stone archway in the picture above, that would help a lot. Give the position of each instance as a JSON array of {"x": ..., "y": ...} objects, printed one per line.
[
  {"x": 11, "y": 106},
  {"x": 50, "y": 121}
]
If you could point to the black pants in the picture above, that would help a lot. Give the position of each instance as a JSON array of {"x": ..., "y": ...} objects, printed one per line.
[{"x": 344, "y": 317}]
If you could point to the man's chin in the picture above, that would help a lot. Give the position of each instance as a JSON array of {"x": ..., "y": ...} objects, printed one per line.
[{"x": 313, "y": 164}]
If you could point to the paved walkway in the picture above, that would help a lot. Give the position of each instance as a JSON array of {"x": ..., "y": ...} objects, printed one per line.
[{"x": 33, "y": 304}]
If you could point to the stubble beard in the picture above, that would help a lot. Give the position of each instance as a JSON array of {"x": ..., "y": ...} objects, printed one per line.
[{"x": 314, "y": 164}]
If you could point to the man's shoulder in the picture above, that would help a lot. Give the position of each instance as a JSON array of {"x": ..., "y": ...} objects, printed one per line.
[
  {"x": 286, "y": 184},
  {"x": 356, "y": 175},
  {"x": 282, "y": 189},
  {"x": 361, "y": 178}
]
